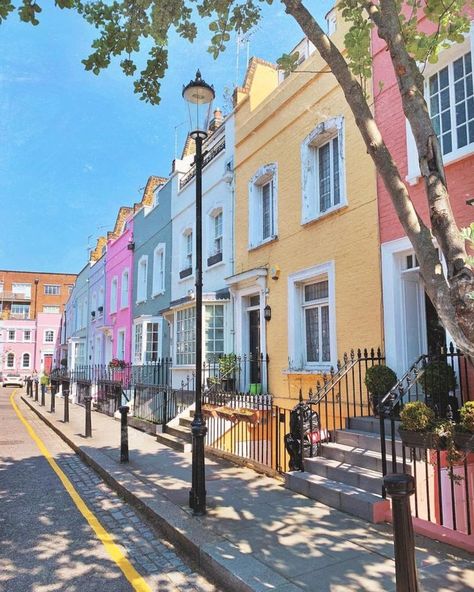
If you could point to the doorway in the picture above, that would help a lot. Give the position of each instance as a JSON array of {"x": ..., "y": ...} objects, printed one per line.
[
  {"x": 254, "y": 344},
  {"x": 48, "y": 363}
]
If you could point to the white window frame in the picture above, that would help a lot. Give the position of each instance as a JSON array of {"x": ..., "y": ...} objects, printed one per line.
[
  {"x": 100, "y": 301},
  {"x": 138, "y": 343},
  {"x": 25, "y": 367},
  {"x": 10, "y": 355},
  {"x": 215, "y": 238},
  {"x": 191, "y": 355},
  {"x": 142, "y": 279},
  {"x": 322, "y": 134},
  {"x": 27, "y": 331},
  {"x": 124, "y": 288},
  {"x": 25, "y": 288},
  {"x": 113, "y": 294},
  {"x": 296, "y": 329},
  {"x": 187, "y": 250},
  {"x": 159, "y": 270},
  {"x": 25, "y": 312},
  {"x": 14, "y": 335},
  {"x": 55, "y": 306},
  {"x": 446, "y": 58},
  {"x": 94, "y": 303},
  {"x": 49, "y": 340},
  {"x": 52, "y": 289},
  {"x": 211, "y": 354},
  {"x": 265, "y": 174},
  {"x": 121, "y": 335}
]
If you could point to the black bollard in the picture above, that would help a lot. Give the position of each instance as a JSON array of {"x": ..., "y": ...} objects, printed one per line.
[
  {"x": 29, "y": 387},
  {"x": 88, "y": 405},
  {"x": 36, "y": 390},
  {"x": 66, "y": 402},
  {"x": 43, "y": 395},
  {"x": 53, "y": 398},
  {"x": 400, "y": 487},
  {"x": 123, "y": 434}
]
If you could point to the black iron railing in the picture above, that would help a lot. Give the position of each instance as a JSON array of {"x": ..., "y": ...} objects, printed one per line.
[
  {"x": 233, "y": 373},
  {"x": 444, "y": 492}
]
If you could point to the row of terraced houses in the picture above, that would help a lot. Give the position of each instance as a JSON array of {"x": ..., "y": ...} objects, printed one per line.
[{"x": 303, "y": 259}]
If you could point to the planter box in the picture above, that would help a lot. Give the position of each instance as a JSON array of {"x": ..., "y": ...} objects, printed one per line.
[
  {"x": 226, "y": 413},
  {"x": 214, "y": 259},
  {"x": 464, "y": 441},
  {"x": 417, "y": 439},
  {"x": 209, "y": 410},
  {"x": 185, "y": 272},
  {"x": 250, "y": 416}
]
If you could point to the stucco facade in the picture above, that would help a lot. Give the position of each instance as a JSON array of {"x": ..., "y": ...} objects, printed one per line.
[
  {"x": 306, "y": 228},
  {"x": 119, "y": 273},
  {"x": 152, "y": 273},
  {"x": 77, "y": 315},
  {"x": 217, "y": 214},
  {"x": 97, "y": 329}
]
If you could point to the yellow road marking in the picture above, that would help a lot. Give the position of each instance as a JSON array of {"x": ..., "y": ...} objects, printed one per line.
[{"x": 107, "y": 539}]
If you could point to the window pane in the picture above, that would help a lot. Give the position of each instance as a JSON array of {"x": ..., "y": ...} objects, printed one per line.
[
  {"x": 326, "y": 357},
  {"x": 316, "y": 291},
  {"x": 312, "y": 334},
  {"x": 266, "y": 211},
  {"x": 335, "y": 161},
  {"x": 324, "y": 178}
]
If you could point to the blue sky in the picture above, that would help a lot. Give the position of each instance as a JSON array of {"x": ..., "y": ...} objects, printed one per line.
[{"x": 74, "y": 147}]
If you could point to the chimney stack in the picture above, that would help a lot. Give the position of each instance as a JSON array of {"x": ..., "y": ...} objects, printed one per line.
[{"x": 217, "y": 120}]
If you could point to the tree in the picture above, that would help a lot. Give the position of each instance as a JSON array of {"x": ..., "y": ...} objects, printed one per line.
[{"x": 123, "y": 26}]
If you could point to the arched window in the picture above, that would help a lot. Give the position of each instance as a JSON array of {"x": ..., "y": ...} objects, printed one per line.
[
  {"x": 10, "y": 360},
  {"x": 25, "y": 360}
]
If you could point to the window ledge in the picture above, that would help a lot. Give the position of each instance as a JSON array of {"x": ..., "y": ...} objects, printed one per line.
[
  {"x": 156, "y": 294},
  {"x": 184, "y": 273},
  {"x": 214, "y": 259},
  {"x": 308, "y": 370},
  {"x": 414, "y": 176},
  {"x": 141, "y": 301},
  {"x": 263, "y": 243},
  {"x": 324, "y": 215}
]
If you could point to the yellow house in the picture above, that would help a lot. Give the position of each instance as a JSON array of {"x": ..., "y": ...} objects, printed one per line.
[{"x": 306, "y": 286}]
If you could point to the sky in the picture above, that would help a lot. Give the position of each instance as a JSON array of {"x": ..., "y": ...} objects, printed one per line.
[{"x": 74, "y": 147}]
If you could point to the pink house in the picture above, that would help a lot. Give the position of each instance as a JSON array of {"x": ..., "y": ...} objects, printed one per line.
[
  {"x": 47, "y": 329},
  {"x": 410, "y": 322},
  {"x": 119, "y": 273},
  {"x": 17, "y": 346}
]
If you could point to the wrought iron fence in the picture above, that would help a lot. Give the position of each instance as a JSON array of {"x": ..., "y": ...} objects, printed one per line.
[
  {"x": 444, "y": 479},
  {"x": 237, "y": 374}
]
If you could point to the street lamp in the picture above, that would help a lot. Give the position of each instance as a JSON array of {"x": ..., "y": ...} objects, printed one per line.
[{"x": 199, "y": 96}]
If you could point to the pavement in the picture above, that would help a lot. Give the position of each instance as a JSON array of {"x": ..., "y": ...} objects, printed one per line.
[{"x": 257, "y": 536}]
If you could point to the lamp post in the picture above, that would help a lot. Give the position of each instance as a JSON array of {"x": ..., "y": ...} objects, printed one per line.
[{"x": 199, "y": 96}]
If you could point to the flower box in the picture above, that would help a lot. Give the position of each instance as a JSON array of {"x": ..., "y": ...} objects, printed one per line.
[
  {"x": 227, "y": 413},
  {"x": 251, "y": 416},
  {"x": 209, "y": 410},
  {"x": 417, "y": 439}
]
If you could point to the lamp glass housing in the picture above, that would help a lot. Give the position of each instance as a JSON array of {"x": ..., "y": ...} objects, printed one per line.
[{"x": 199, "y": 96}]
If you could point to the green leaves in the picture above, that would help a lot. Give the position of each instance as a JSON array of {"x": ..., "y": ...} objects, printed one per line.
[
  {"x": 5, "y": 8},
  {"x": 288, "y": 62},
  {"x": 28, "y": 12}
]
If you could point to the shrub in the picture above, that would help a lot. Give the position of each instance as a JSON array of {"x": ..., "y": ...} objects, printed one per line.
[
  {"x": 467, "y": 416},
  {"x": 379, "y": 380},
  {"x": 438, "y": 379},
  {"x": 416, "y": 417}
]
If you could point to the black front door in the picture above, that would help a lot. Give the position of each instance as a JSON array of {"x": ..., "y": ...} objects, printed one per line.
[{"x": 254, "y": 345}]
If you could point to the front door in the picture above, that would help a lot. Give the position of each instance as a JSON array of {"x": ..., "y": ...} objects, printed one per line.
[
  {"x": 254, "y": 345},
  {"x": 48, "y": 363}
]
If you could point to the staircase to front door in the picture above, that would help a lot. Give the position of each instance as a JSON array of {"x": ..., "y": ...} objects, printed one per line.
[{"x": 348, "y": 474}]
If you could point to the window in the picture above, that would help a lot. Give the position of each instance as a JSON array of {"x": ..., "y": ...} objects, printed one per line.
[
  {"x": 121, "y": 344},
  {"x": 51, "y": 309},
  {"x": 311, "y": 320},
  {"x": 316, "y": 321},
  {"x": 138, "y": 342},
  {"x": 186, "y": 336},
  {"x": 25, "y": 361},
  {"x": 10, "y": 360},
  {"x": 27, "y": 335},
  {"x": 79, "y": 354},
  {"x": 263, "y": 205},
  {"x": 70, "y": 289},
  {"x": 113, "y": 295},
  {"x": 20, "y": 311},
  {"x": 124, "y": 290},
  {"x": 49, "y": 336},
  {"x": 451, "y": 104},
  {"x": 187, "y": 257},
  {"x": 94, "y": 304},
  {"x": 142, "y": 283},
  {"x": 24, "y": 289},
  {"x": 323, "y": 178},
  {"x": 84, "y": 313},
  {"x": 100, "y": 301},
  {"x": 1, "y": 286},
  {"x": 52, "y": 289},
  {"x": 151, "y": 352},
  {"x": 214, "y": 330},
  {"x": 159, "y": 270},
  {"x": 11, "y": 334},
  {"x": 217, "y": 234}
]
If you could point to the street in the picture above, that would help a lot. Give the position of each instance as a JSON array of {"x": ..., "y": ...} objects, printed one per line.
[{"x": 46, "y": 542}]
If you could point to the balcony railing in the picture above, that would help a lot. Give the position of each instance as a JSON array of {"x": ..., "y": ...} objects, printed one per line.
[
  {"x": 14, "y": 297},
  {"x": 208, "y": 156},
  {"x": 6, "y": 315}
]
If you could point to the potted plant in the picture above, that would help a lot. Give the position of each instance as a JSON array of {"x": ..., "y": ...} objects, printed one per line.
[
  {"x": 251, "y": 416},
  {"x": 417, "y": 421},
  {"x": 227, "y": 368},
  {"x": 227, "y": 413},
  {"x": 438, "y": 380},
  {"x": 116, "y": 363},
  {"x": 63, "y": 362},
  {"x": 379, "y": 380},
  {"x": 464, "y": 435}
]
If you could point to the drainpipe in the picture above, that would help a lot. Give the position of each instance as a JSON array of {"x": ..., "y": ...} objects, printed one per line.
[{"x": 36, "y": 324}]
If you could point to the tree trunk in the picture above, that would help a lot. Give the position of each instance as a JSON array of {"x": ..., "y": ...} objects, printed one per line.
[{"x": 448, "y": 293}]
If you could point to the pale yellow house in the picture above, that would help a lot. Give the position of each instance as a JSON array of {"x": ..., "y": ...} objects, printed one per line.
[{"x": 306, "y": 226}]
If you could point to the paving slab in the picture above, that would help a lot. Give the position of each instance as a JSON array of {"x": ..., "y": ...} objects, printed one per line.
[{"x": 257, "y": 536}]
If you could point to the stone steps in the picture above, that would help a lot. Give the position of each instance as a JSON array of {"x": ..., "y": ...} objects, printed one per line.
[
  {"x": 174, "y": 442},
  {"x": 335, "y": 470},
  {"x": 339, "y": 495},
  {"x": 366, "y": 440},
  {"x": 181, "y": 432}
]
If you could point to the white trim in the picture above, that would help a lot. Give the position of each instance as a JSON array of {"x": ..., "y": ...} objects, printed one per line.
[
  {"x": 322, "y": 134},
  {"x": 49, "y": 331},
  {"x": 295, "y": 327},
  {"x": 446, "y": 57},
  {"x": 159, "y": 249},
  {"x": 265, "y": 174},
  {"x": 142, "y": 279},
  {"x": 123, "y": 305},
  {"x": 121, "y": 331},
  {"x": 23, "y": 367},
  {"x": 113, "y": 302}
]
